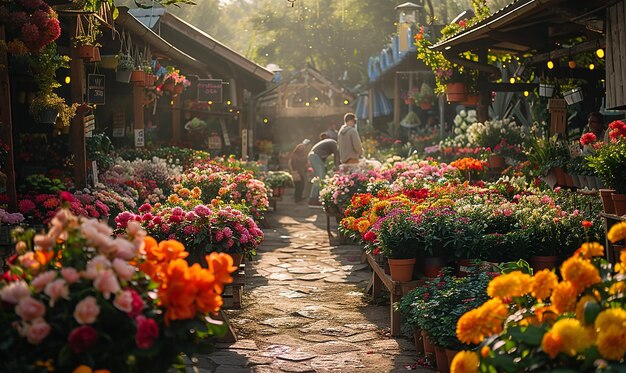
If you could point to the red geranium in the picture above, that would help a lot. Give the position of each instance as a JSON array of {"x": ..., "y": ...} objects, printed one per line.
[
  {"x": 83, "y": 338},
  {"x": 618, "y": 130},
  {"x": 588, "y": 138}
]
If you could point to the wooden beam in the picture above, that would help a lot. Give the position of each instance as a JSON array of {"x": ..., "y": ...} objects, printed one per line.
[
  {"x": 77, "y": 127},
  {"x": 6, "y": 125},
  {"x": 176, "y": 124},
  {"x": 563, "y": 52}
]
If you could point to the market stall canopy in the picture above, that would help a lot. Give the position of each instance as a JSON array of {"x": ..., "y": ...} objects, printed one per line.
[
  {"x": 223, "y": 62},
  {"x": 381, "y": 104},
  {"x": 158, "y": 44}
]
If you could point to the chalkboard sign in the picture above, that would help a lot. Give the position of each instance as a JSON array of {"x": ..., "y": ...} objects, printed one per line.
[
  {"x": 95, "y": 89},
  {"x": 210, "y": 90}
]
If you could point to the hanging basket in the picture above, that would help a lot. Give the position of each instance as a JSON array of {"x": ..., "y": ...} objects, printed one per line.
[
  {"x": 472, "y": 100},
  {"x": 123, "y": 76},
  {"x": 87, "y": 52},
  {"x": 169, "y": 86},
  {"x": 178, "y": 89},
  {"x": 138, "y": 77},
  {"x": 546, "y": 90},
  {"x": 47, "y": 116},
  {"x": 109, "y": 62},
  {"x": 455, "y": 92},
  {"x": 573, "y": 96},
  {"x": 425, "y": 105}
]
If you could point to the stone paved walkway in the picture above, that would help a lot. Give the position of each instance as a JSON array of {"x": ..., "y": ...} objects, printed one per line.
[{"x": 304, "y": 309}]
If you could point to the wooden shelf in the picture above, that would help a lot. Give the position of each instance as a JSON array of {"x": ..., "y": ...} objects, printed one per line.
[{"x": 612, "y": 248}]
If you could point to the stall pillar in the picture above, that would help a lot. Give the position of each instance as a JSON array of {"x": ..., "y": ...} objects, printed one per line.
[
  {"x": 482, "y": 111},
  {"x": 370, "y": 106},
  {"x": 77, "y": 127},
  {"x": 396, "y": 105},
  {"x": 6, "y": 126},
  {"x": 176, "y": 120},
  {"x": 245, "y": 139},
  {"x": 138, "y": 120}
]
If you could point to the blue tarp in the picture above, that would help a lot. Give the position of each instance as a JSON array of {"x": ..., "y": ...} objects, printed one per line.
[{"x": 382, "y": 105}]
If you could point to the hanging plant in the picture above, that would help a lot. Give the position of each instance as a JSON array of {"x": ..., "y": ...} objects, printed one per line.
[{"x": 30, "y": 25}]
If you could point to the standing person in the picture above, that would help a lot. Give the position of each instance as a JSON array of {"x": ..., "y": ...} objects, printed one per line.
[
  {"x": 349, "y": 141},
  {"x": 595, "y": 122},
  {"x": 297, "y": 166},
  {"x": 317, "y": 158},
  {"x": 331, "y": 132}
]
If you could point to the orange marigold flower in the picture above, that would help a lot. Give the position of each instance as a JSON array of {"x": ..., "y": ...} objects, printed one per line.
[
  {"x": 184, "y": 192},
  {"x": 196, "y": 192},
  {"x": 221, "y": 265},
  {"x": 177, "y": 292},
  {"x": 207, "y": 299},
  {"x": 612, "y": 343},
  {"x": 483, "y": 321},
  {"x": 514, "y": 284},
  {"x": 581, "y": 273},
  {"x": 363, "y": 225},
  {"x": 610, "y": 317},
  {"x": 484, "y": 352},
  {"x": 580, "y": 307},
  {"x": 564, "y": 297},
  {"x": 543, "y": 283},
  {"x": 617, "y": 232},
  {"x": 465, "y": 362},
  {"x": 589, "y": 250},
  {"x": 621, "y": 266},
  {"x": 222, "y": 191},
  {"x": 573, "y": 336},
  {"x": 552, "y": 344},
  {"x": 618, "y": 288},
  {"x": 173, "y": 198}
]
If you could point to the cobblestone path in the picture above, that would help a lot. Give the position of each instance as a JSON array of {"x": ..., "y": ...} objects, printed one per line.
[{"x": 304, "y": 308}]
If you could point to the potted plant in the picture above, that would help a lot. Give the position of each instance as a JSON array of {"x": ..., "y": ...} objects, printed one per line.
[
  {"x": 86, "y": 41},
  {"x": 572, "y": 92},
  {"x": 424, "y": 97},
  {"x": 609, "y": 163},
  {"x": 546, "y": 87},
  {"x": 125, "y": 66},
  {"x": 277, "y": 181},
  {"x": 398, "y": 241}
]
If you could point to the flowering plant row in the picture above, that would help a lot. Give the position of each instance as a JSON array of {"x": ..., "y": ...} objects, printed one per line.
[
  {"x": 542, "y": 323},
  {"x": 76, "y": 296}
]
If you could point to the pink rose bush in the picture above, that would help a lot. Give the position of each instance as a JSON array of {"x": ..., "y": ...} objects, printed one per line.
[
  {"x": 31, "y": 25},
  {"x": 81, "y": 293}
]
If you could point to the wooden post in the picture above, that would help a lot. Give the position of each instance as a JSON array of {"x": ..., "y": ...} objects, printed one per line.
[
  {"x": 242, "y": 123},
  {"x": 370, "y": 106},
  {"x": 6, "y": 127},
  {"x": 176, "y": 120},
  {"x": 77, "y": 127},
  {"x": 482, "y": 111},
  {"x": 396, "y": 104},
  {"x": 138, "y": 97}
]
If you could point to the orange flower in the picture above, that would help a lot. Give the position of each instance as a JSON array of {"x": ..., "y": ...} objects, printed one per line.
[
  {"x": 484, "y": 351},
  {"x": 465, "y": 362},
  {"x": 221, "y": 266},
  {"x": 545, "y": 313},
  {"x": 207, "y": 299},
  {"x": 581, "y": 273},
  {"x": 178, "y": 292},
  {"x": 612, "y": 343},
  {"x": 617, "y": 232},
  {"x": 543, "y": 283},
  {"x": 514, "y": 284},
  {"x": 552, "y": 344},
  {"x": 196, "y": 192},
  {"x": 589, "y": 250},
  {"x": 174, "y": 199},
  {"x": 621, "y": 266},
  {"x": 580, "y": 307},
  {"x": 480, "y": 322},
  {"x": 564, "y": 297},
  {"x": 468, "y": 164}
]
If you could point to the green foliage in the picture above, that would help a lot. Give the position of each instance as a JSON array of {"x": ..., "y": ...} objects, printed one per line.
[
  {"x": 609, "y": 163},
  {"x": 99, "y": 149}
]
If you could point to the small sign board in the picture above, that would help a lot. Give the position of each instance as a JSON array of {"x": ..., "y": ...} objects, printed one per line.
[
  {"x": 90, "y": 124},
  {"x": 95, "y": 89},
  {"x": 119, "y": 124},
  {"x": 139, "y": 138},
  {"x": 215, "y": 141},
  {"x": 210, "y": 90}
]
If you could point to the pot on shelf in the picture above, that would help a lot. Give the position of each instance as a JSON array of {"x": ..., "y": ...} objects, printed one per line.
[
  {"x": 539, "y": 262},
  {"x": 619, "y": 201},
  {"x": 560, "y": 176},
  {"x": 455, "y": 92},
  {"x": 419, "y": 343},
  {"x": 428, "y": 347},
  {"x": 138, "y": 76},
  {"x": 450, "y": 354},
  {"x": 401, "y": 269},
  {"x": 607, "y": 200},
  {"x": 237, "y": 259},
  {"x": 442, "y": 360}
]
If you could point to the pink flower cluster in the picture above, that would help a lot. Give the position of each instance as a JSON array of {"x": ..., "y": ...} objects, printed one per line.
[
  {"x": 10, "y": 218},
  {"x": 41, "y": 208},
  {"x": 31, "y": 24}
]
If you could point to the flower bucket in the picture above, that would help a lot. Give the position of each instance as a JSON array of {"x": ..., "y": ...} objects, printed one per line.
[
  {"x": 433, "y": 265},
  {"x": 426, "y": 105},
  {"x": 123, "y": 76},
  {"x": 86, "y": 52},
  {"x": 496, "y": 161},
  {"x": 450, "y": 354},
  {"x": 619, "y": 201},
  {"x": 428, "y": 347},
  {"x": 47, "y": 116},
  {"x": 607, "y": 200},
  {"x": 419, "y": 343},
  {"x": 401, "y": 269},
  {"x": 455, "y": 92},
  {"x": 138, "y": 76},
  {"x": 442, "y": 360},
  {"x": 472, "y": 100},
  {"x": 539, "y": 262},
  {"x": 573, "y": 96}
]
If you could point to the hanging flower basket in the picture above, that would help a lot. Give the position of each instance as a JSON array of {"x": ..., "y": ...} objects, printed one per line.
[
  {"x": 408, "y": 101},
  {"x": 87, "y": 52},
  {"x": 96, "y": 55},
  {"x": 123, "y": 76},
  {"x": 47, "y": 116},
  {"x": 138, "y": 76},
  {"x": 472, "y": 100},
  {"x": 169, "y": 86},
  {"x": 546, "y": 90},
  {"x": 178, "y": 89},
  {"x": 573, "y": 96},
  {"x": 426, "y": 105},
  {"x": 455, "y": 92}
]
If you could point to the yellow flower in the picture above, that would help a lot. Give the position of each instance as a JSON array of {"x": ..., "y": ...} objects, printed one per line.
[
  {"x": 621, "y": 266},
  {"x": 485, "y": 320},
  {"x": 574, "y": 337},
  {"x": 610, "y": 317},
  {"x": 612, "y": 343},
  {"x": 580, "y": 307},
  {"x": 484, "y": 352},
  {"x": 543, "y": 283},
  {"x": 581, "y": 273},
  {"x": 591, "y": 249},
  {"x": 514, "y": 284},
  {"x": 184, "y": 192},
  {"x": 552, "y": 344},
  {"x": 465, "y": 362},
  {"x": 618, "y": 288},
  {"x": 564, "y": 297},
  {"x": 363, "y": 225},
  {"x": 617, "y": 232},
  {"x": 348, "y": 222}
]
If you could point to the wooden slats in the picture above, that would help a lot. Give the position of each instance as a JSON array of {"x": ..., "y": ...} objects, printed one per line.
[{"x": 616, "y": 50}]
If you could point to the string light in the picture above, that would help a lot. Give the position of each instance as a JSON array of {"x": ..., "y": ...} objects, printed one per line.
[
  {"x": 592, "y": 66},
  {"x": 210, "y": 102},
  {"x": 600, "y": 53},
  {"x": 346, "y": 102},
  {"x": 316, "y": 98},
  {"x": 571, "y": 64},
  {"x": 550, "y": 65},
  {"x": 228, "y": 102},
  {"x": 265, "y": 120},
  {"x": 526, "y": 93},
  {"x": 512, "y": 80},
  {"x": 307, "y": 104},
  {"x": 68, "y": 80}
]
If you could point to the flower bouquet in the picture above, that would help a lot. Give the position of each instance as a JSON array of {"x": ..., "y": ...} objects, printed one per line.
[
  {"x": 78, "y": 298},
  {"x": 543, "y": 324}
]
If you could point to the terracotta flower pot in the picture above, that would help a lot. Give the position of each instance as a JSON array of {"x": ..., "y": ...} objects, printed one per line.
[
  {"x": 496, "y": 161},
  {"x": 428, "y": 347},
  {"x": 450, "y": 354},
  {"x": 569, "y": 181},
  {"x": 401, "y": 269},
  {"x": 138, "y": 76},
  {"x": 96, "y": 55},
  {"x": 455, "y": 92},
  {"x": 419, "y": 343},
  {"x": 539, "y": 262},
  {"x": 169, "y": 86},
  {"x": 86, "y": 52},
  {"x": 426, "y": 105},
  {"x": 442, "y": 360},
  {"x": 560, "y": 176},
  {"x": 432, "y": 266},
  {"x": 607, "y": 200},
  {"x": 619, "y": 201}
]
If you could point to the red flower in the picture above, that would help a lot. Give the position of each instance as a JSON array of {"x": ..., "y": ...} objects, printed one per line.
[
  {"x": 618, "y": 130},
  {"x": 369, "y": 236},
  {"x": 463, "y": 23},
  {"x": 147, "y": 332},
  {"x": 83, "y": 338},
  {"x": 68, "y": 197},
  {"x": 587, "y": 223},
  {"x": 588, "y": 138}
]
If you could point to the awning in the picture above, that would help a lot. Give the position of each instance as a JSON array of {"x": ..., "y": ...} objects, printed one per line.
[{"x": 382, "y": 105}]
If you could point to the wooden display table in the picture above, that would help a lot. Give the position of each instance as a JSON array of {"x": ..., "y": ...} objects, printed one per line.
[
  {"x": 396, "y": 291},
  {"x": 612, "y": 248},
  {"x": 233, "y": 292}
]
